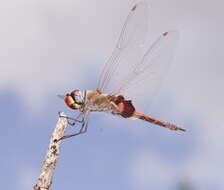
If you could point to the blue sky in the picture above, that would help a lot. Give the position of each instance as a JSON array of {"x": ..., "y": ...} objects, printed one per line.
[{"x": 52, "y": 47}]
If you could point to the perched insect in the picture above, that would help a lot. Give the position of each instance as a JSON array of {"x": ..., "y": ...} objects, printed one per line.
[{"x": 125, "y": 71}]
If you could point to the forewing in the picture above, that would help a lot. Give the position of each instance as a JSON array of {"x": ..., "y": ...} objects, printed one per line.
[
  {"x": 131, "y": 39},
  {"x": 130, "y": 72}
]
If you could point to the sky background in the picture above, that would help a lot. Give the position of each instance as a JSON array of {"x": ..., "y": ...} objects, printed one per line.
[{"x": 52, "y": 47}]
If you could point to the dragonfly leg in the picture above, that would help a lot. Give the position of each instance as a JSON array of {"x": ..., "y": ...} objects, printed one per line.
[
  {"x": 74, "y": 120},
  {"x": 82, "y": 130}
]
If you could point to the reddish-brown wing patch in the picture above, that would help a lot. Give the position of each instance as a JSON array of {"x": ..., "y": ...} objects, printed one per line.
[
  {"x": 165, "y": 33},
  {"x": 133, "y": 8}
]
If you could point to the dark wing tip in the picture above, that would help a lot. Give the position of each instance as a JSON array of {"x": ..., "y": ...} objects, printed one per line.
[
  {"x": 140, "y": 4},
  {"x": 165, "y": 33},
  {"x": 134, "y": 7},
  {"x": 184, "y": 130}
]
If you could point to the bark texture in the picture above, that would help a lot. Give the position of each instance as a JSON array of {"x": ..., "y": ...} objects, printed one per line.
[{"x": 46, "y": 174}]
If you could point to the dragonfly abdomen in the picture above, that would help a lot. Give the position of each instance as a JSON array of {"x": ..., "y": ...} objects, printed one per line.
[{"x": 157, "y": 121}]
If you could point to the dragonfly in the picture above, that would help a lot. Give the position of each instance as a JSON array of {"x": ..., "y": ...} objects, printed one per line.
[{"x": 128, "y": 68}]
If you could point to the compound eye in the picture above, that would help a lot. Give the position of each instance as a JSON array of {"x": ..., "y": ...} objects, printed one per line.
[
  {"x": 69, "y": 100},
  {"x": 71, "y": 103}
]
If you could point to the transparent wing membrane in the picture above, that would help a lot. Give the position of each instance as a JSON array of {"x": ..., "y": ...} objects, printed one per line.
[
  {"x": 132, "y": 36},
  {"x": 142, "y": 82},
  {"x": 129, "y": 71}
]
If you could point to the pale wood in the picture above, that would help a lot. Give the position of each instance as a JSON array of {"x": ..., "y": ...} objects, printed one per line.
[{"x": 46, "y": 174}]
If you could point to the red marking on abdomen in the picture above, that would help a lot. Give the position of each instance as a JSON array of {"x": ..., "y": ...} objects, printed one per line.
[
  {"x": 125, "y": 106},
  {"x": 127, "y": 109}
]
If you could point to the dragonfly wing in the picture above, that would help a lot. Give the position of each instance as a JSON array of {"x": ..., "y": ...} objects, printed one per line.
[
  {"x": 132, "y": 37},
  {"x": 142, "y": 82},
  {"x": 129, "y": 71}
]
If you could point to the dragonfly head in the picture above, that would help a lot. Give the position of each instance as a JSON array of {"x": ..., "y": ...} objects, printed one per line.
[{"x": 75, "y": 99}]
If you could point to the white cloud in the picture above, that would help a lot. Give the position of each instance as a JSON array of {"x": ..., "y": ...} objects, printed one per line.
[
  {"x": 148, "y": 170},
  {"x": 43, "y": 42},
  {"x": 206, "y": 166},
  {"x": 33, "y": 61}
]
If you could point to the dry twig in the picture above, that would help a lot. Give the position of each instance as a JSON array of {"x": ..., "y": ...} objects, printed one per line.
[{"x": 45, "y": 179}]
